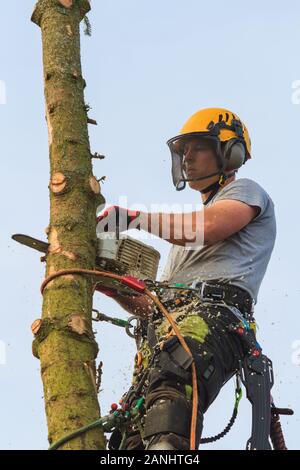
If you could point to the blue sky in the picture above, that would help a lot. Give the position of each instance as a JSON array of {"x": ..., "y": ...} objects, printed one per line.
[{"x": 148, "y": 67}]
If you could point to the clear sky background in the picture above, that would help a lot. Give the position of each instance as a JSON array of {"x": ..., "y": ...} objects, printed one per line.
[{"x": 148, "y": 67}]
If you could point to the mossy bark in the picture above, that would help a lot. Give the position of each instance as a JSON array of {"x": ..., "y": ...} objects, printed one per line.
[{"x": 67, "y": 350}]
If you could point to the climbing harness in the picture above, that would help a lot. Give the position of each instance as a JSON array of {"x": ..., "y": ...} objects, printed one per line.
[{"x": 255, "y": 373}]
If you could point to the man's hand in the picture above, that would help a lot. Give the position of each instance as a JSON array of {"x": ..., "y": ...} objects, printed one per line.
[
  {"x": 116, "y": 218},
  {"x": 139, "y": 305}
]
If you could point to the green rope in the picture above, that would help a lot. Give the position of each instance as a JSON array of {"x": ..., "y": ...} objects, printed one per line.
[
  {"x": 238, "y": 396},
  {"x": 107, "y": 423},
  {"x": 124, "y": 436},
  {"x": 181, "y": 286}
]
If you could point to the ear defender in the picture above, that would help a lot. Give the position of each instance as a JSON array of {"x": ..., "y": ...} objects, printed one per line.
[{"x": 234, "y": 154}]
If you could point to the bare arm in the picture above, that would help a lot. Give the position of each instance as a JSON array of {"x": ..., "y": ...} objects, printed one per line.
[{"x": 206, "y": 227}]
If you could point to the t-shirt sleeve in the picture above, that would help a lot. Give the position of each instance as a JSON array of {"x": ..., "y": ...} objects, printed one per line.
[{"x": 247, "y": 191}]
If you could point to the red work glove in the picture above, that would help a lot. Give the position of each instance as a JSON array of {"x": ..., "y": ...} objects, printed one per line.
[
  {"x": 107, "y": 291},
  {"x": 117, "y": 218}
]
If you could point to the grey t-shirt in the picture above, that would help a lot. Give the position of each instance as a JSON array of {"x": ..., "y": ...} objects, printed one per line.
[{"x": 240, "y": 259}]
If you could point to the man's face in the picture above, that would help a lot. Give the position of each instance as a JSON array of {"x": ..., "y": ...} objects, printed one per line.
[{"x": 199, "y": 160}]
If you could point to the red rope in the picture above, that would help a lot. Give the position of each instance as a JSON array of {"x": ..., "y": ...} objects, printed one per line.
[{"x": 276, "y": 434}]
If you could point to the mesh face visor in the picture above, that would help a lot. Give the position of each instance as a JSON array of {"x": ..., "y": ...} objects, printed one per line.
[{"x": 176, "y": 146}]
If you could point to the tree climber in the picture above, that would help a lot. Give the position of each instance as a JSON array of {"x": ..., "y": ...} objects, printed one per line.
[{"x": 223, "y": 252}]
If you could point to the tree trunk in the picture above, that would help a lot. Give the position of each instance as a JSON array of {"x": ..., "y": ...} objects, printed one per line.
[{"x": 64, "y": 340}]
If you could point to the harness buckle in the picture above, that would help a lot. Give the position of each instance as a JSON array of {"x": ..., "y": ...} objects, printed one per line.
[{"x": 212, "y": 295}]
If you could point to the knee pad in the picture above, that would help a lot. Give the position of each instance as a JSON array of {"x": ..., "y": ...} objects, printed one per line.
[{"x": 173, "y": 416}]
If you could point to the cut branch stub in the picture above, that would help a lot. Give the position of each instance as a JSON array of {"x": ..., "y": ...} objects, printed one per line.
[
  {"x": 92, "y": 121},
  {"x": 97, "y": 155},
  {"x": 78, "y": 324},
  {"x": 58, "y": 183},
  {"x": 94, "y": 185},
  {"x": 36, "y": 325}
]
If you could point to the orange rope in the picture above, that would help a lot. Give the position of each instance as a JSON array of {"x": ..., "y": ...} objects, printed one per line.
[
  {"x": 194, "y": 375},
  {"x": 65, "y": 272},
  {"x": 155, "y": 299}
]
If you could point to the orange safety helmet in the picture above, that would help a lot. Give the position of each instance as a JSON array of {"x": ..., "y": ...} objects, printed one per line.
[{"x": 220, "y": 126}]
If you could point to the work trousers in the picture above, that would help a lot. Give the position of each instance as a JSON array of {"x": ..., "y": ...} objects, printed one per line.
[{"x": 168, "y": 389}]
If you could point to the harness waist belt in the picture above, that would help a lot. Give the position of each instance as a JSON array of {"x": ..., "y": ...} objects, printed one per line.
[{"x": 229, "y": 293}]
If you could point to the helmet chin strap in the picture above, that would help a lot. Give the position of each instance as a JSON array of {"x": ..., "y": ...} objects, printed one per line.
[{"x": 214, "y": 187}]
